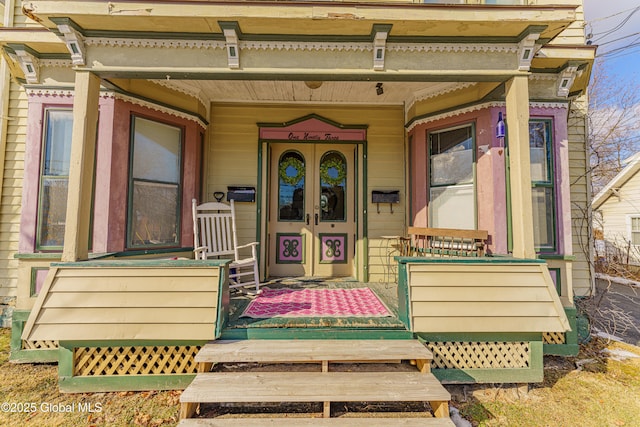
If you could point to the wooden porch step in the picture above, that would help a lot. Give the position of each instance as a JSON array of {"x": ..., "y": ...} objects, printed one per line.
[
  {"x": 237, "y": 387},
  {"x": 287, "y": 351},
  {"x": 309, "y": 422}
]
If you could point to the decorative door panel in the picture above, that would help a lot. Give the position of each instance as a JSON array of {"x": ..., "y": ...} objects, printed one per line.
[{"x": 311, "y": 210}]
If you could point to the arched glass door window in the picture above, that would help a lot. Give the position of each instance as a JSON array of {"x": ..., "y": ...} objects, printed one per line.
[
  {"x": 333, "y": 186},
  {"x": 291, "y": 179}
]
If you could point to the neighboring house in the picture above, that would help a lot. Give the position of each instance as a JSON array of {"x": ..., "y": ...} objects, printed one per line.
[
  {"x": 116, "y": 114},
  {"x": 616, "y": 211}
]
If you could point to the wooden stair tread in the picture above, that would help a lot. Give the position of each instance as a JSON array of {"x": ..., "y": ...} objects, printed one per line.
[
  {"x": 217, "y": 387},
  {"x": 267, "y": 351},
  {"x": 303, "y": 422}
]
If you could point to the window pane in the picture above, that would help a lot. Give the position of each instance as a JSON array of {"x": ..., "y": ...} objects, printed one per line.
[
  {"x": 453, "y": 207},
  {"x": 452, "y": 157},
  {"x": 291, "y": 174},
  {"x": 538, "y": 149},
  {"x": 156, "y": 155},
  {"x": 155, "y": 214},
  {"x": 57, "y": 142},
  {"x": 635, "y": 224},
  {"x": 543, "y": 224},
  {"x": 635, "y": 238},
  {"x": 53, "y": 211},
  {"x": 333, "y": 182}
]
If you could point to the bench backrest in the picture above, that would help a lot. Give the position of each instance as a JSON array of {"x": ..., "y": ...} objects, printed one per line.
[{"x": 446, "y": 242}]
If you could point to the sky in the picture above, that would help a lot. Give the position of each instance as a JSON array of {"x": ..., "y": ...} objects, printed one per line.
[{"x": 615, "y": 29}]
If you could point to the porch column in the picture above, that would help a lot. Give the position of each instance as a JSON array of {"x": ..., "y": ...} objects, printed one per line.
[
  {"x": 83, "y": 148},
  {"x": 517, "y": 97}
]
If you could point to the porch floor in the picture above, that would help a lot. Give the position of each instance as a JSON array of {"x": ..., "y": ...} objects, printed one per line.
[{"x": 387, "y": 292}]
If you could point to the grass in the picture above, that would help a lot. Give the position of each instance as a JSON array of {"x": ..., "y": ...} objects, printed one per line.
[{"x": 602, "y": 392}]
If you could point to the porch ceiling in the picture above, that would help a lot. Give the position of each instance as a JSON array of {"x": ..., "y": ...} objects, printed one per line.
[{"x": 347, "y": 92}]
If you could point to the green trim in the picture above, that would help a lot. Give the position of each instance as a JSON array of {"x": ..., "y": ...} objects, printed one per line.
[
  {"x": 557, "y": 257},
  {"x": 304, "y": 252},
  {"x": 365, "y": 212},
  {"x": 20, "y": 355},
  {"x": 129, "y": 343},
  {"x": 224, "y": 302},
  {"x": 467, "y": 260},
  {"x": 39, "y": 256},
  {"x": 313, "y": 333},
  {"x": 65, "y": 362},
  {"x": 404, "y": 302},
  {"x": 124, "y": 383},
  {"x": 345, "y": 249},
  {"x": 156, "y": 251},
  {"x": 570, "y": 346},
  {"x": 160, "y": 263},
  {"x": 32, "y": 281},
  {"x": 259, "y": 210},
  {"x": 479, "y": 336},
  {"x": 308, "y": 117},
  {"x": 534, "y": 373},
  {"x": 558, "y": 281}
]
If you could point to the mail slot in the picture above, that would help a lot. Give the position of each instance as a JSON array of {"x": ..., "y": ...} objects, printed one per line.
[
  {"x": 378, "y": 196},
  {"x": 241, "y": 194}
]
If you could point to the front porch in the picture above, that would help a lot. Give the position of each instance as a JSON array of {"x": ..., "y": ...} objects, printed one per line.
[{"x": 138, "y": 324}]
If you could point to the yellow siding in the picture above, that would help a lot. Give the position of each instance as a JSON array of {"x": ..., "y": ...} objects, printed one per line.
[
  {"x": 233, "y": 160},
  {"x": 574, "y": 34},
  {"x": 89, "y": 303},
  {"x": 580, "y": 198},
  {"x": 12, "y": 190},
  {"x": 480, "y": 297}
]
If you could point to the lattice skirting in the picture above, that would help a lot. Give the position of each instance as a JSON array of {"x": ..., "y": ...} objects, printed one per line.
[
  {"x": 39, "y": 345},
  {"x": 554, "y": 338},
  {"x": 143, "y": 360},
  {"x": 480, "y": 355}
]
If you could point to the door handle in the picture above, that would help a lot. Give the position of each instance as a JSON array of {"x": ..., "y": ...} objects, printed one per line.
[
  {"x": 316, "y": 218},
  {"x": 308, "y": 218}
]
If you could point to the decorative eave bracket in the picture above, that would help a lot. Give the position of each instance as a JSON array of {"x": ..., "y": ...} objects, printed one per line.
[
  {"x": 566, "y": 78},
  {"x": 379, "y": 34},
  {"x": 232, "y": 33},
  {"x": 527, "y": 47},
  {"x": 73, "y": 38},
  {"x": 27, "y": 59}
]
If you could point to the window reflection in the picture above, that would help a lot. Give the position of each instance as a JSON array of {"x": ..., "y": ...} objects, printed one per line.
[
  {"x": 291, "y": 173},
  {"x": 333, "y": 180}
]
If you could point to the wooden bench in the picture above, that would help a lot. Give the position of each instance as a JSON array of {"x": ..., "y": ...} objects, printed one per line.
[{"x": 445, "y": 242}]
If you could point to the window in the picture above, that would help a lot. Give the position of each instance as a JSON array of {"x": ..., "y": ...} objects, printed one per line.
[
  {"x": 291, "y": 187},
  {"x": 451, "y": 183},
  {"x": 54, "y": 178},
  {"x": 635, "y": 230},
  {"x": 155, "y": 186},
  {"x": 542, "y": 191}
]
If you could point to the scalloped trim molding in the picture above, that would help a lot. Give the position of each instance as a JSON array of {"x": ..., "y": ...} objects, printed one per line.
[
  {"x": 161, "y": 43},
  {"x": 56, "y": 63},
  {"x": 482, "y": 106},
  {"x": 452, "y": 47},
  {"x": 62, "y": 92},
  {"x": 307, "y": 46}
]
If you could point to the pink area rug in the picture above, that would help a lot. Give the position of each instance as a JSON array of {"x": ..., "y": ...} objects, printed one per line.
[{"x": 359, "y": 302}]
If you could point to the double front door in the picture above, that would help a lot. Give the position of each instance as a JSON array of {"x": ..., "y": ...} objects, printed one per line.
[{"x": 312, "y": 210}]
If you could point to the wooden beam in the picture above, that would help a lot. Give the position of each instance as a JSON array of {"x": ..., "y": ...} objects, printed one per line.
[
  {"x": 517, "y": 119},
  {"x": 83, "y": 148}
]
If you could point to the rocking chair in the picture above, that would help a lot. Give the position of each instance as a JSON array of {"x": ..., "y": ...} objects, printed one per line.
[{"x": 214, "y": 235}]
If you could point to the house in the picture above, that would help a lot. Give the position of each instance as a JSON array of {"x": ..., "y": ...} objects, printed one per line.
[
  {"x": 616, "y": 211},
  {"x": 339, "y": 124}
]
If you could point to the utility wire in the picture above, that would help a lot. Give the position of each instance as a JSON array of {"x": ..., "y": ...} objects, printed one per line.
[{"x": 617, "y": 27}]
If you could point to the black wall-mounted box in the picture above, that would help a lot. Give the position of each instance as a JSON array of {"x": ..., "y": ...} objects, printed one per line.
[
  {"x": 378, "y": 196},
  {"x": 241, "y": 194}
]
